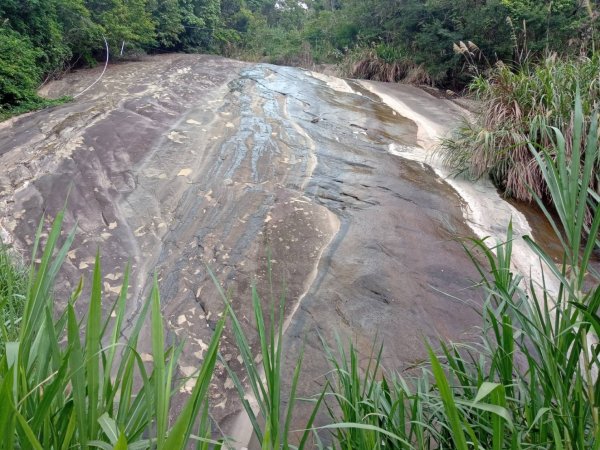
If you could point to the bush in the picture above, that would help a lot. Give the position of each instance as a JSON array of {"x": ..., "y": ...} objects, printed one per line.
[
  {"x": 20, "y": 76},
  {"x": 383, "y": 63},
  {"x": 19, "y": 72},
  {"x": 518, "y": 107},
  {"x": 276, "y": 45}
]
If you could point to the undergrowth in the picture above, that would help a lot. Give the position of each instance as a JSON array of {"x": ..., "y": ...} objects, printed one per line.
[
  {"x": 518, "y": 107},
  {"x": 32, "y": 104},
  {"x": 383, "y": 63}
]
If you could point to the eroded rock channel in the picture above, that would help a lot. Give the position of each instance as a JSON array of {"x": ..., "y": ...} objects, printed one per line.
[{"x": 180, "y": 162}]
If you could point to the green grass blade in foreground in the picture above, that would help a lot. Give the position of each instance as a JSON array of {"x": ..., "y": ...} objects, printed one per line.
[
  {"x": 77, "y": 378},
  {"x": 182, "y": 429},
  {"x": 254, "y": 377},
  {"x": 39, "y": 290},
  {"x": 93, "y": 345},
  {"x": 72, "y": 382},
  {"x": 158, "y": 375},
  {"x": 458, "y": 436},
  {"x": 266, "y": 381},
  {"x": 291, "y": 404},
  {"x": 13, "y": 293},
  {"x": 362, "y": 427},
  {"x": 119, "y": 312}
]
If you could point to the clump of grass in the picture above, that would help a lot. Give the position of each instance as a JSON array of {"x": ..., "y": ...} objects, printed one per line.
[
  {"x": 70, "y": 382},
  {"x": 531, "y": 381},
  {"x": 13, "y": 291},
  {"x": 374, "y": 68},
  {"x": 35, "y": 104},
  {"x": 371, "y": 409},
  {"x": 265, "y": 377},
  {"x": 520, "y": 106},
  {"x": 381, "y": 64}
]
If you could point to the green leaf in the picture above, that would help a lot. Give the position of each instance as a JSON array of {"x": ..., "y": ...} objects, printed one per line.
[
  {"x": 109, "y": 426},
  {"x": 181, "y": 431},
  {"x": 31, "y": 439},
  {"x": 458, "y": 436},
  {"x": 121, "y": 443},
  {"x": 78, "y": 383},
  {"x": 100, "y": 444},
  {"x": 362, "y": 426},
  {"x": 159, "y": 375},
  {"x": 485, "y": 389},
  {"x": 93, "y": 345}
]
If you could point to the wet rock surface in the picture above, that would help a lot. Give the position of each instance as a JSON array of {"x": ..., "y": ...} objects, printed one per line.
[{"x": 183, "y": 162}]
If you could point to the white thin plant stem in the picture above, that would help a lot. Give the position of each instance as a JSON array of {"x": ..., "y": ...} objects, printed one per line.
[{"x": 104, "y": 70}]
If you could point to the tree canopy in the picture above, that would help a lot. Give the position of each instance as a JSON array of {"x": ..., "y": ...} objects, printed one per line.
[{"x": 42, "y": 38}]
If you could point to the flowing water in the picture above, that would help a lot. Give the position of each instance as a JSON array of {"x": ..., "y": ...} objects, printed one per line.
[{"x": 182, "y": 162}]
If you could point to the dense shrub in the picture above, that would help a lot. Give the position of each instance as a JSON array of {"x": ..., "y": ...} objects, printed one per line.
[
  {"x": 383, "y": 63},
  {"x": 517, "y": 107},
  {"x": 19, "y": 69}
]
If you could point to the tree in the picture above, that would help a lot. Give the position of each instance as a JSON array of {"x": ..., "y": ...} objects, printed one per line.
[
  {"x": 79, "y": 32},
  {"x": 38, "y": 22},
  {"x": 124, "y": 21},
  {"x": 19, "y": 73},
  {"x": 167, "y": 17}
]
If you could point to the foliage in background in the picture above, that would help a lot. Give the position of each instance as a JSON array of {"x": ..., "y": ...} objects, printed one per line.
[
  {"x": 20, "y": 74},
  {"x": 418, "y": 33},
  {"x": 518, "y": 106},
  {"x": 19, "y": 78},
  {"x": 40, "y": 40},
  {"x": 412, "y": 39}
]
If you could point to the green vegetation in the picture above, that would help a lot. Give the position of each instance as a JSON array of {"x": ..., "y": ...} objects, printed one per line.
[
  {"x": 60, "y": 391},
  {"x": 43, "y": 39},
  {"x": 265, "y": 380},
  {"x": 392, "y": 40},
  {"x": 13, "y": 282},
  {"x": 19, "y": 75},
  {"x": 530, "y": 382},
  {"x": 389, "y": 39},
  {"x": 518, "y": 107}
]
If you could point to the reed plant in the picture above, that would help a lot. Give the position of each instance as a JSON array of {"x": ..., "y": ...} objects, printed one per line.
[
  {"x": 72, "y": 382},
  {"x": 272, "y": 425},
  {"x": 519, "y": 106}
]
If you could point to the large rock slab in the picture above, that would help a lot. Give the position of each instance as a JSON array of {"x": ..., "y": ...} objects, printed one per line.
[{"x": 183, "y": 162}]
